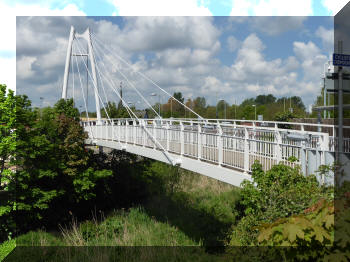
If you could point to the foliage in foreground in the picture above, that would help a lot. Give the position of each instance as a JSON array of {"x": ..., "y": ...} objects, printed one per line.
[
  {"x": 320, "y": 233},
  {"x": 279, "y": 192},
  {"x": 53, "y": 169},
  {"x": 6, "y": 248}
]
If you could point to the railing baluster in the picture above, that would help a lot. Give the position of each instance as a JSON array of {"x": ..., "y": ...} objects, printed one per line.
[
  {"x": 182, "y": 138},
  {"x": 246, "y": 151}
]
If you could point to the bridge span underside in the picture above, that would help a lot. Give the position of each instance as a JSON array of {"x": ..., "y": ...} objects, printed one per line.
[{"x": 221, "y": 173}]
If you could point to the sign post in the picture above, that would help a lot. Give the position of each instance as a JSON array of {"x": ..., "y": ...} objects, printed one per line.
[{"x": 340, "y": 60}]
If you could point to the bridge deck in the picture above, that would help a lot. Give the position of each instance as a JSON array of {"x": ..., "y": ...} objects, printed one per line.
[{"x": 223, "y": 151}]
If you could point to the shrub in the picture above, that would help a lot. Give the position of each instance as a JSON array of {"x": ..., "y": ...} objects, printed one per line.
[{"x": 280, "y": 192}]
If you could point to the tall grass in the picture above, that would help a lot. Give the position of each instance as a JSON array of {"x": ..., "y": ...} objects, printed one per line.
[
  {"x": 6, "y": 248},
  {"x": 125, "y": 228}
]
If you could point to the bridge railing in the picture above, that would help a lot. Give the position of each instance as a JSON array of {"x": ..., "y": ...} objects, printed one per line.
[
  {"x": 229, "y": 145},
  {"x": 228, "y": 124}
]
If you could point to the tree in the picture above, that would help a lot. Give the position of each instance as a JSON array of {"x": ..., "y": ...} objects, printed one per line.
[
  {"x": 199, "y": 105},
  {"x": 178, "y": 109},
  {"x": 53, "y": 169},
  {"x": 111, "y": 109},
  {"x": 121, "y": 111},
  {"x": 7, "y": 127},
  {"x": 178, "y": 96},
  {"x": 297, "y": 102},
  {"x": 265, "y": 99}
]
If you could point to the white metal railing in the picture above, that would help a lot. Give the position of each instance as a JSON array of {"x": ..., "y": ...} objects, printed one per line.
[{"x": 234, "y": 145}]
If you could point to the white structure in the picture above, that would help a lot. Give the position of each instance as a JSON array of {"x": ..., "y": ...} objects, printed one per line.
[
  {"x": 224, "y": 151},
  {"x": 87, "y": 36}
]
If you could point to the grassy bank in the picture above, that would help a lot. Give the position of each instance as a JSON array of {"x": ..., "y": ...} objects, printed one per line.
[{"x": 196, "y": 212}]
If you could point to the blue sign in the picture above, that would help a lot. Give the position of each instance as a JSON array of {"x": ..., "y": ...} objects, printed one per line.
[{"x": 341, "y": 60}]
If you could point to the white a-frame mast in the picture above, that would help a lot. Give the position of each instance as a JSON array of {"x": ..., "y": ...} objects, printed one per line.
[{"x": 86, "y": 35}]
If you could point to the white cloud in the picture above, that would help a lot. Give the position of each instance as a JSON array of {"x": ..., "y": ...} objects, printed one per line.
[
  {"x": 8, "y": 72},
  {"x": 327, "y": 36},
  {"x": 160, "y": 8},
  {"x": 269, "y": 25},
  {"x": 232, "y": 43},
  {"x": 8, "y": 27},
  {"x": 277, "y": 25},
  {"x": 189, "y": 66},
  {"x": 24, "y": 67},
  {"x": 306, "y": 51},
  {"x": 312, "y": 60},
  {"x": 334, "y": 6},
  {"x": 271, "y": 8},
  {"x": 241, "y": 7},
  {"x": 157, "y": 33}
]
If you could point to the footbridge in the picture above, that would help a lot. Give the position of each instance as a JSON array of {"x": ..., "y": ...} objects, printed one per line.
[{"x": 222, "y": 149}]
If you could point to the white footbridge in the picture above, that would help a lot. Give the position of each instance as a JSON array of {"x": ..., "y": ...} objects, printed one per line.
[{"x": 222, "y": 149}]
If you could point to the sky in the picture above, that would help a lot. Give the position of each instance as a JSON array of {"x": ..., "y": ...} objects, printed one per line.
[{"x": 236, "y": 48}]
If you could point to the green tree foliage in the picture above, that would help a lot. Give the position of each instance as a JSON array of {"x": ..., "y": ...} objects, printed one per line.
[
  {"x": 53, "y": 169},
  {"x": 277, "y": 193},
  {"x": 111, "y": 109},
  {"x": 7, "y": 127},
  {"x": 199, "y": 105},
  {"x": 178, "y": 96},
  {"x": 265, "y": 99},
  {"x": 312, "y": 235}
]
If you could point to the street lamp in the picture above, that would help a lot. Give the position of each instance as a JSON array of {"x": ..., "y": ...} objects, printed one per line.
[
  {"x": 328, "y": 63},
  {"x": 41, "y": 106},
  {"x": 224, "y": 107},
  {"x": 255, "y": 111},
  {"x": 235, "y": 109},
  {"x": 154, "y": 94}
]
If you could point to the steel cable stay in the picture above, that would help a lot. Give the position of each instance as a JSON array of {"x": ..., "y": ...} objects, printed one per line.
[
  {"x": 111, "y": 80},
  {"x": 154, "y": 140},
  {"x": 143, "y": 75},
  {"x": 82, "y": 90},
  {"x": 101, "y": 81},
  {"x": 99, "y": 97},
  {"x": 96, "y": 88},
  {"x": 124, "y": 76}
]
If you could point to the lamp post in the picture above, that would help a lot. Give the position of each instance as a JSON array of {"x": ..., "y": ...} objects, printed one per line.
[
  {"x": 235, "y": 109},
  {"x": 154, "y": 94},
  {"x": 224, "y": 107},
  {"x": 255, "y": 111},
  {"x": 41, "y": 106},
  {"x": 324, "y": 87}
]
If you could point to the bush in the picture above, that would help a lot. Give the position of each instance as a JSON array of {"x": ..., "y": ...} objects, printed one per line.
[{"x": 280, "y": 192}]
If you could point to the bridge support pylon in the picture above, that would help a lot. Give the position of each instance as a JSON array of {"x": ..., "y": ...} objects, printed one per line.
[{"x": 86, "y": 35}]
